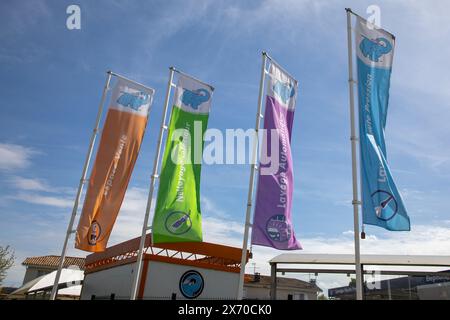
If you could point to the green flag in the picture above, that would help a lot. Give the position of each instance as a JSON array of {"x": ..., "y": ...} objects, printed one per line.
[{"x": 177, "y": 215}]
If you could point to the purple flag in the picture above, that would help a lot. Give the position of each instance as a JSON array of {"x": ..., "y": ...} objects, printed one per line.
[{"x": 272, "y": 224}]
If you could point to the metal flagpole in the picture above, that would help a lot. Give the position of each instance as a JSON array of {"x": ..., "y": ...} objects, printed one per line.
[
  {"x": 145, "y": 227},
  {"x": 251, "y": 183},
  {"x": 353, "y": 138},
  {"x": 80, "y": 187}
]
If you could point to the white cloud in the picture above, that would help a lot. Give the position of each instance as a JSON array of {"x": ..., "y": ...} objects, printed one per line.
[
  {"x": 13, "y": 156},
  {"x": 131, "y": 216},
  {"x": 423, "y": 239},
  {"x": 30, "y": 190},
  {"x": 29, "y": 184},
  {"x": 216, "y": 224},
  {"x": 224, "y": 231},
  {"x": 209, "y": 207},
  {"x": 285, "y": 11},
  {"x": 59, "y": 202}
]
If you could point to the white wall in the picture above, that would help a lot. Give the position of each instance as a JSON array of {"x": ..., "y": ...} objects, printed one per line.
[
  {"x": 103, "y": 283},
  {"x": 34, "y": 272},
  {"x": 162, "y": 280}
]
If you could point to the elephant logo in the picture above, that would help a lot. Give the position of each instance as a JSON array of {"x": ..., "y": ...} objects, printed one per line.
[
  {"x": 374, "y": 49},
  {"x": 133, "y": 101},
  {"x": 195, "y": 98},
  {"x": 191, "y": 284},
  {"x": 284, "y": 90}
]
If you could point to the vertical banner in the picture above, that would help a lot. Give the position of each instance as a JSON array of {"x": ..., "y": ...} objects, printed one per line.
[
  {"x": 382, "y": 204},
  {"x": 272, "y": 225},
  {"x": 177, "y": 214},
  {"x": 117, "y": 153}
]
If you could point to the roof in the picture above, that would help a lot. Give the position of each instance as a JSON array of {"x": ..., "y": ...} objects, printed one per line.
[
  {"x": 366, "y": 259},
  {"x": 198, "y": 254},
  {"x": 53, "y": 261},
  {"x": 281, "y": 282},
  {"x": 70, "y": 283}
]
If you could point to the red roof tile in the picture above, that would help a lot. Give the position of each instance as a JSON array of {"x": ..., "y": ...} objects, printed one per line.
[{"x": 53, "y": 261}]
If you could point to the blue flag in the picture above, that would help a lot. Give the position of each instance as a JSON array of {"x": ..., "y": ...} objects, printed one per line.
[{"x": 382, "y": 204}]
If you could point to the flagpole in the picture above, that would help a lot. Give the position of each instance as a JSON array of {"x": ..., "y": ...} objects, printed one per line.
[
  {"x": 80, "y": 187},
  {"x": 251, "y": 182},
  {"x": 353, "y": 138},
  {"x": 145, "y": 227}
]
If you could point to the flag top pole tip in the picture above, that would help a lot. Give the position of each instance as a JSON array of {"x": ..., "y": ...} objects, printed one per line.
[
  {"x": 109, "y": 72},
  {"x": 377, "y": 27},
  {"x": 189, "y": 76}
]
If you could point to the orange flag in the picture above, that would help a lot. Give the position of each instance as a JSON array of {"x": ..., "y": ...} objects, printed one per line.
[{"x": 117, "y": 152}]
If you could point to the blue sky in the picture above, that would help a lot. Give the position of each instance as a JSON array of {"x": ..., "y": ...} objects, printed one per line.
[{"x": 51, "y": 81}]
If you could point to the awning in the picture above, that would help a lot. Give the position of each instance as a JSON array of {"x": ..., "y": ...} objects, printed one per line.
[{"x": 70, "y": 283}]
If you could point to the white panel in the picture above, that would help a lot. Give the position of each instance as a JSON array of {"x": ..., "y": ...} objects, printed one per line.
[
  {"x": 103, "y": 283},
  {"x": 163, "y": 279},
  {"x": 400, "y": 260}
]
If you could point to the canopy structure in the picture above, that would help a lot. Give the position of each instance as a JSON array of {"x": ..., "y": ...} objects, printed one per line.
[
  {"x": 345, "y": 264},
  {"x": 70, "y": 284}
]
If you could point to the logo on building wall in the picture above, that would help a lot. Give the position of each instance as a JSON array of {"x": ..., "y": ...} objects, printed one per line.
[{"x": 191, "y": 284}]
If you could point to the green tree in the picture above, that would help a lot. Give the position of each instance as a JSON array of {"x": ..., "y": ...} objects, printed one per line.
[{"x": 6, "y": 261}]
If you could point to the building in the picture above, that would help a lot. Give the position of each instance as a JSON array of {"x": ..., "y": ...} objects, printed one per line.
[
  {"x": 258, "y": 287},
  {"x": 186, "y": 270},
  {"x": 427, "y": 275},
  {"x": 169, "y": 270},
  {"x": 109, "y": 274},
  {"x": 39, "y": 266},
  {"x": 402, "y": 288},
  {"x": 69, "y": 286}
]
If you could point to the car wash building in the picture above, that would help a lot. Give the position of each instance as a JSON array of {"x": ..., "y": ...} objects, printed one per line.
[{"x": 188, "y": 270}]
